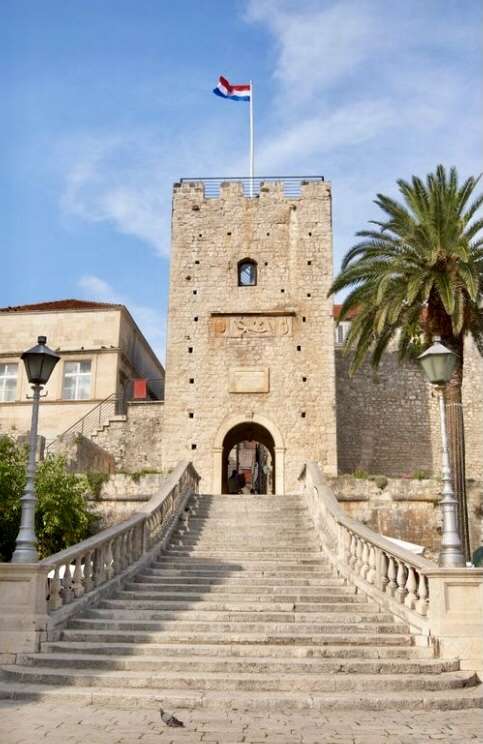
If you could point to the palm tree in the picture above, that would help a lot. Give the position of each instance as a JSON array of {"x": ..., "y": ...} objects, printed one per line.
[{"x": 417, "y": 275}]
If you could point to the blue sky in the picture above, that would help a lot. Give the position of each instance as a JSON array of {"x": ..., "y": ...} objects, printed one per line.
[{"x": 105, "y": 104}]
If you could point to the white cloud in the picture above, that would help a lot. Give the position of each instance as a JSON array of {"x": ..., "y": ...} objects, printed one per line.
[
  {"x": 115, "y": 179},
  {"x": 317, "y": 47},
  {"x": 150, "y": 320}
]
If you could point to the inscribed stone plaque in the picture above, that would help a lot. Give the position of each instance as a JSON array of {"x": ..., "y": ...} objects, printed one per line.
[
  {"x": 249, "y": 380},
  {"x": 251, "y": 326}
]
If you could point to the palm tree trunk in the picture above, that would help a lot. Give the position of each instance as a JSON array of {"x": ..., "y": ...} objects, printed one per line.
[{"x": 456, "y": 440}]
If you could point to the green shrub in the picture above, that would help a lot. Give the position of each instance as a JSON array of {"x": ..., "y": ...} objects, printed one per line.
[
  {"x": 380, "y": 480},
  {"x": 62, "y": 516},
  {"x": 360, "y": 474},
  {"x": 421, "y": 475},
  {"x": 96, "y": 481}
]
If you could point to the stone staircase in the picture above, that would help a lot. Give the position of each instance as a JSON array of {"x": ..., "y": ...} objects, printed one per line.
[{"x": 242, "y": 612}]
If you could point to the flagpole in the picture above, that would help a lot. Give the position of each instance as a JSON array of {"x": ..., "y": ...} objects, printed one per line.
[{"x": 251, "y": 139}]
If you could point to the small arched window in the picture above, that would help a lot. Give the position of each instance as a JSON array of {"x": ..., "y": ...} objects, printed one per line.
[{"x": 247, "y": 273}]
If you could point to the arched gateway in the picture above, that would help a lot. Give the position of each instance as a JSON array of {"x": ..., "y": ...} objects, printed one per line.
[{"x": 257, "y": 429}]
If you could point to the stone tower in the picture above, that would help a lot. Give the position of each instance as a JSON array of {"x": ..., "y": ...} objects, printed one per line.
[{"x": 250, "y": 330}]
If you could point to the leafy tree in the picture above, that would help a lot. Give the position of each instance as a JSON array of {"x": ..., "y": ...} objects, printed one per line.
[
  {"x": 62, "y": 517},
  {"x": 417, "y": 275}
]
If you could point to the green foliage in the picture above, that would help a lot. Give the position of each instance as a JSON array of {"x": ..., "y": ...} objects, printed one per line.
[
  {"x": 136, "y": 475},
  {"x": 360, "y": 474},
  {"x": 12, "y": 482},
  {"x": 62, "y": 517},
  {"x": 419, "y": 273},
  {"x": 380, "y": 480},
  {"x": 96, "y": 481},
  {"x": 421, "y": 475}
]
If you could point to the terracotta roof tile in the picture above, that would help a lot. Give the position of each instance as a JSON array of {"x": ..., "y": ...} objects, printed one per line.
[{"x": 59, "y": 305}]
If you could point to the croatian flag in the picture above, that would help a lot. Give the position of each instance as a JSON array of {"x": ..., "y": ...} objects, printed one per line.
[{"x": 234, "y": 92}]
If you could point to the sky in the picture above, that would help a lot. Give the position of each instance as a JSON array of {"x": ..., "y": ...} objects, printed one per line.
[{"x": 105, "y": 104}]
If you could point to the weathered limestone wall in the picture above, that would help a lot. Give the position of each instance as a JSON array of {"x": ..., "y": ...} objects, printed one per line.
[
  {"x": 122, "y": 495},
  {"x": 405, "y": 509},
  {"x": 384, "y": 423},
  {"x": 135, "y": 440},
  {"x": 215, "y": 347},
  {"x": 82, "y": 455},
  {"x": 388, "y": 421}
]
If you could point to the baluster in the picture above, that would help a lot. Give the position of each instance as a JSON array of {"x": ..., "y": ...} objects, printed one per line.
[
  {"x": 358, "y": 563},
  {"x": 346, "y": 537},
  {"x": 77, "y": 583},
  {"x": 55, "y": 599},
  {"x": 382, "y": 568},
  {"x": 116, "y": 557},
  {"x": 353, "y": 549},
  {"x": 365, "y": 560},
  {"x": 371, "y": 574},
  {"x": 130, "y": 547},
  {"x": 88, "y": 572},
  {"x": 98, "y": 566},
  {"x": 411, "y": 586},
  {"x": 423, "y": 601},
  {"x": 401, "y": 582},
  {"x": 391, "y": 586},
  {"x": 67, "y": 593},
  {"x": 109, "y": 561}
]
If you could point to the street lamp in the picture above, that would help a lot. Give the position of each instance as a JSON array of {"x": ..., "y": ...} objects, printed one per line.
[
  {"x": 39, "y": 362},
  {"x": 438, "y": 364}
]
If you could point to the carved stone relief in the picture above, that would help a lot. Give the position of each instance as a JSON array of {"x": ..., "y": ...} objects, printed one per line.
[{"x": 253, "y": 326}]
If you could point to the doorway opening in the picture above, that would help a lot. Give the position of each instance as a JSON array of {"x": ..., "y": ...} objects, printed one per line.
[{"x": 249, "y": 451}]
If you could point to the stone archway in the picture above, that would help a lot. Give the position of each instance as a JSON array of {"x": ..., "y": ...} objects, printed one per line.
[{"x": 238, "y": 427}]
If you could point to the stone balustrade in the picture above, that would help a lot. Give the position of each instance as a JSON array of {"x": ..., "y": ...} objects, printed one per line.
[
  {"x": 37, "y": 599},
  {"x": 442, "y": 606}
]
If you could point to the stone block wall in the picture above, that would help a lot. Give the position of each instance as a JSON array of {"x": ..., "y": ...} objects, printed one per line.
[
  {"x": 388, "y": 420},
  {"x": 406, "y": 509},
  {"x": 135, "y": 440},
  {"x": 122, "y": 495},
  {"x": 83, "y": 455}
]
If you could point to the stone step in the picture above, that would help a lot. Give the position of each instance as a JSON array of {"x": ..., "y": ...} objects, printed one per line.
[
  {"x": 266, "y": 636},
  {"x": 245, "y": 556},
  {"x": 213, "y": 650},
  {"x": 249, "y": 594},
  {"x": 201, "y": 681},
  {"x": 179, "y": 700},
  {"x": 193, "y": 544},
  {"x": 109, "y": 609},
  {"x": 247, "y": 665},
  {"x": 268, "y": 567},
  {"x": 230, "y": 605},
  {"x": 278, "y": 628},
  {"x": 207, "y": 581}
]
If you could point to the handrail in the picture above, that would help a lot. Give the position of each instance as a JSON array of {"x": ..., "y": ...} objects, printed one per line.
[
  {"x": 98, "y": 413},
  {"x": 409, "y": 585},
  {"x": 92, "y": 563}
]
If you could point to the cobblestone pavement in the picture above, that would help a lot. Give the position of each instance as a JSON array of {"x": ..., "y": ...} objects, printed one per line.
[{"x": 68, "y": 723}]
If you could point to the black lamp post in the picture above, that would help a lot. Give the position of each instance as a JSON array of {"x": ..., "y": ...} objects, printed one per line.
[
  {"x": 438, "y": 364},
  {"x": 39, "y": 362}
]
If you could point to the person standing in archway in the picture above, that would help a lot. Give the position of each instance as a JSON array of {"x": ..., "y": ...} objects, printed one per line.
[{"x": 233, "y": 482}]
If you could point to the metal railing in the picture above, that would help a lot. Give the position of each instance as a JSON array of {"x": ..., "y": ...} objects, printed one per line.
[
  {"x": 292, "y": 185},
  {"x": 95, "y": 418}
]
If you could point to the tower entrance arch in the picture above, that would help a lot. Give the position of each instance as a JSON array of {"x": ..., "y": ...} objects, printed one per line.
[
  {"x": 253, "y": 446},
  {"x": 248, "y": 457}
]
